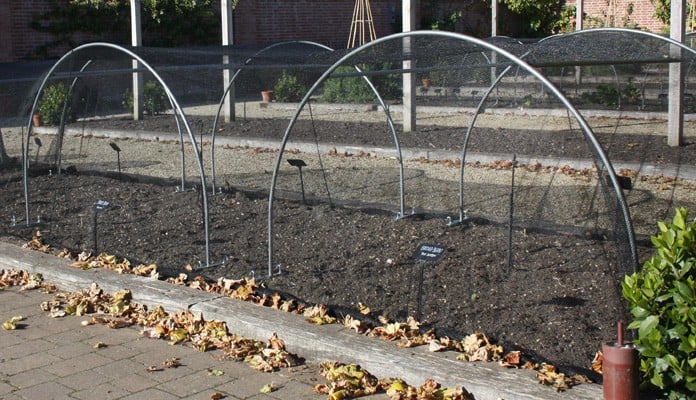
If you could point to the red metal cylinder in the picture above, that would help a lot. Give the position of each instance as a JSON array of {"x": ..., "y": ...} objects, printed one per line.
[{"x": 620, "y": 370}]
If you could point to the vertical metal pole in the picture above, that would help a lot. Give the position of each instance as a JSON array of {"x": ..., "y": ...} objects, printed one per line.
[
  {"x": 409, "y": 79},
  {"x": 304, "y": 200},
  {"x": 675, "y": 108},
  {"x": 226, "y": 8},
  {"x": 136, "y": 41},
  {"x": 511, "y": 211}
]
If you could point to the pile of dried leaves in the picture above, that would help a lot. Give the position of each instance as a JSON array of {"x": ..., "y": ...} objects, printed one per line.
[
  {"x": 118, "y": 311},
  {"x": 474, "y": 347},
  {"x": 350, "y": 380}
]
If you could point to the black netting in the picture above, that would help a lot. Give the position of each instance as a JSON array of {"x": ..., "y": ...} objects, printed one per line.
[{"x": 501, "y": 167}]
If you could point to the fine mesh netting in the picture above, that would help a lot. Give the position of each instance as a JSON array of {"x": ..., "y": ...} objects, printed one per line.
[{"x": 496, "y": 160}]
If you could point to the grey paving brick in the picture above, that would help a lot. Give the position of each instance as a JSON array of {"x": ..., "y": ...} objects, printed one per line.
[
  {"x": 151, "y": 394},
  {"x": 84, "y": 380},
  {"x": 24, "y": 348},
  {"x": 104, "y": 391},
  {"x": 190, "y": 384},
  {"x": 135, "y": 382},
  {"x": 30, "y": 378},
  {"x": 82, "y": 363},
  {"x": 44, "y": 391},
  {"x": 117, "y": 369},
  {"x": 26, "y": 363}
]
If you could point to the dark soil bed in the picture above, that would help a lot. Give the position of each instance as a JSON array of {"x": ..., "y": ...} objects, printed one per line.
[
  {"x": 557, "y": 300},
  {"x": 549, "y": 143}
]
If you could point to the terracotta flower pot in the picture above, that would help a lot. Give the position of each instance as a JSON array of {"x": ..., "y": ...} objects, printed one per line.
[
  {"x": 426, "y": 82},
  {"x": 36, "y": 120},
  {"x": 266, "y": 95}
]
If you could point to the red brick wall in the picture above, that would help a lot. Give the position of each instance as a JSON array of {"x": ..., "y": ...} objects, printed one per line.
[
  {"x": 324, "y": 21},
  {"x": 615, "y": 13},
  {"x": 256, "y": 21},
  {"x": 16, "y": 37}
]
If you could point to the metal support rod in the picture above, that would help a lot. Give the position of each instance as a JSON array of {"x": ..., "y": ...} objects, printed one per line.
[
  {"x": 511, "y": 211},
  {"x": 421, "y": 266},
  {"x": 296, "y": 162},
  {"x": 94, "y": 232}
]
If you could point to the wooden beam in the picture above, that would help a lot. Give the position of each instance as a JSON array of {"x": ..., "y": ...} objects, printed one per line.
[
  {"x": 226, "y": 9},
  {"x": 409, "y": 80},
  {"x": 136, "y": 41},
  {"x": 675, "y": 108}
]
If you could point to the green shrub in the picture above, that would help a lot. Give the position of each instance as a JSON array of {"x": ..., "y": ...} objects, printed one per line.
[
  {"x": 154, "y": 98},
  {"x": 354, "y": 89},
  {"x": 289, "y": 88},
  {"x": 609, "y": 95},
  {"x": 52, "y": 104},
  {"x": 348, "y": 89},
  {"x": 662, "y": 302}
]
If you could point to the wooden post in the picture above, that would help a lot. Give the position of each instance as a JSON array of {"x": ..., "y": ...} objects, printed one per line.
[
  {"x": 136, "y": 41},
  {"x": 494, "y": 17},
  {"x": 227, "y": 8},
  {"x": 409, "y": 79},
  {"x": 579, "y": 12},
  {"x": 675, "y": 108}
]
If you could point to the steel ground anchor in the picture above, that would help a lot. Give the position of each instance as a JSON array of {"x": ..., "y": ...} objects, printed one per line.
[
  {"x": 463, "y": 217},
  {"x": 400, "y": 215},
  {"x": 225, "y": 260}
]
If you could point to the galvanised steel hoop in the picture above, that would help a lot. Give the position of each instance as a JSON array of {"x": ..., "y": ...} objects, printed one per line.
[{"x": 175, "y": 106}]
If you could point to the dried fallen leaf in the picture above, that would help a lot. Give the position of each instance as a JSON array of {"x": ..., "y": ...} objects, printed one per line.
[
  {"x": 11, "y": 324},
  {"x": 217, "y": 396},
  {"x": 271, "y": 387},
  {"x": 99, "y": 345},
  {"x": 511, "y": 359},
  {"x": 364, "y": 310},
  {"x": 171, "y": 363},
  {"x": 153, "y": 368},
  {"x": 215, "y": 372},
  {"x": 346, "y": 380},
  {"x": 597, "y": 362}
]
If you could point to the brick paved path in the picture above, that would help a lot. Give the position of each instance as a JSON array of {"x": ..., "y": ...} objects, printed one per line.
[{"x": 57, "y": 358}]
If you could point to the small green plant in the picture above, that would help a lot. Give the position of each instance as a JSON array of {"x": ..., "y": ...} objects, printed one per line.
[
  {"x": 354, "y": 89},
  {"x": 609, "y": 95},
  {"x": 606, "y": 95},
  {"x": 52, "y": 104},
  {"x": 662, "y": 302},
  {"x": 289, "y": 88},
  {"x": 348, "y": 89},
  {"x": 630, "y": 92},
  {"x": 154, "y": 98}
]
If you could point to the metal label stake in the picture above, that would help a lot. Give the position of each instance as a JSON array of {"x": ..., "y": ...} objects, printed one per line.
[
  {"x": 117, "y": 149},
  {"x": 296, "y": 162},
  {"x": 426, "y": 253},
  {"x": 99, "y": 207}
]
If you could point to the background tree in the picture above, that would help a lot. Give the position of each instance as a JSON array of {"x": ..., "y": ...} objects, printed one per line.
[
  {"x": 541, "y": 16},
  {"x": 663, "y": 12}
]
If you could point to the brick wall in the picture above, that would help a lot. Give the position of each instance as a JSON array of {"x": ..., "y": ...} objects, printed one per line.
[
  {"x": 16, "y": 37},
  {"x": 615, "y": 13},
  {"x": 324, "y": 21},
  {"x": 257, "y": 21}
]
